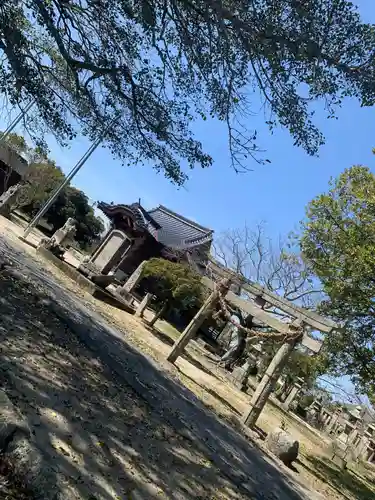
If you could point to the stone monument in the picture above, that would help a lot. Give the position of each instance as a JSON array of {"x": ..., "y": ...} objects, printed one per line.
[
  {"x": 8, "y": 198},
  {"x": 291, "y": 401},
  {"x": 61, "y": 239},
  {"x": 313, "y": 412}
]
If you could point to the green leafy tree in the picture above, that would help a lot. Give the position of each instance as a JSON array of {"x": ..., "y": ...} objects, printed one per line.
[
  {"x": 43, "y": 176},
  {"x": 40, "y": 180},
  {"x": 74, "y": 203},
  {"x": 301, "y": 364},
  {"x": 338, "y": 241},
  {"x": 18, "y": 144},
  {"x": 31, "y": 154},
  {"x": 305, "y": 366},
  {"x": 175, "y": 285},
  {"x": 163, "y": 64}
]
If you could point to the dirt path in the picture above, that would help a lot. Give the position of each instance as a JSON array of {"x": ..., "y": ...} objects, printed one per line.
[
  {"x": 102, "y": 438},
  {"x": 139, "y": 434}
]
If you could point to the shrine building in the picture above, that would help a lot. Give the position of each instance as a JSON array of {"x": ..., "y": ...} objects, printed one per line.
[{"x": 137, "y": 235}]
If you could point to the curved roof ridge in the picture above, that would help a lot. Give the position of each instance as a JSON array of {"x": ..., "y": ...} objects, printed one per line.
[{"x": 182, "y": 218}]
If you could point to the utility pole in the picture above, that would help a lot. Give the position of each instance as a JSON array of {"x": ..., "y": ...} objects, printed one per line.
[
  {"x": 16, "y": 121},
  {"x": 67, "y": 179}
]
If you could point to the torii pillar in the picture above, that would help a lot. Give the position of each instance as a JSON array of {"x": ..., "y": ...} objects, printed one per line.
[{"x": 269, "y": 379}]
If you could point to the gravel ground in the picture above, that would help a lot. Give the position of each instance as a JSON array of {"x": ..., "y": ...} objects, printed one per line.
[
  {"x": 103, "y": 440},
  {"x": 10, "y": 487},
  {"x": 140, "y": 435}
]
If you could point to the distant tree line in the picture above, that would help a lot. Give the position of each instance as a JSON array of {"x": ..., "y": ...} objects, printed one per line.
[{"x": 42, "y": 178}]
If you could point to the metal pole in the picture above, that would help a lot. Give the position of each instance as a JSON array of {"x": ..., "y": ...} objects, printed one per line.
[
  {"x": 66, "y": 181},
  {"x": 16, "y": 121}
]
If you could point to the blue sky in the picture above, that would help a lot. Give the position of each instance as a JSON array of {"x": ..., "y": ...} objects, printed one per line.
[{"x": 276, "y": 193}]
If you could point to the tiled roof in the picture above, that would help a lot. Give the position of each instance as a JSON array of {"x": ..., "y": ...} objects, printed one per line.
[
  {"x": 167, "y": 227},
  {"x": 178, "y": 232},
  {"x": 135, "y": 210}
]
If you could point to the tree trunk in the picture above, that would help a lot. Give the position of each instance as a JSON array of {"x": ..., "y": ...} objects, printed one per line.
[
  {"x": 267, "y": 383},
  {"x": 159, "y": 314}
]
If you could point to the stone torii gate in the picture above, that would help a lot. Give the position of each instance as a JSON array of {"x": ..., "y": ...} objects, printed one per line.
[{"x": 295, "y": 332}]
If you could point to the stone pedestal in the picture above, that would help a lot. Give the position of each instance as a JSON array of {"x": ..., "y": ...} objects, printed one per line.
[
  {"x": 326, "y": 417},
  {"x": 369, "y": 451},
  {"x": 297, "y": 386},
  {"x": 333, "y": 424},
  {"x": 241, "y": 374}
]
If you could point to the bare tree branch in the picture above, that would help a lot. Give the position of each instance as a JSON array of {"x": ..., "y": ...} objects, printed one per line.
[{"x": 253, "y": 255}]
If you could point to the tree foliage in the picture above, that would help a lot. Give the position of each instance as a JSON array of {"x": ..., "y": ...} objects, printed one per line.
[
  {"x": 155, "y": 66},
  {"x": 338, "y": 241},
  {"x": 42, "y": 175},
  {"x": 303, "y": 365},
  {"x": 300, "y": 364},
  {"x": 41, "y": 179},
  {"x": 73, "y": 202},
  {"x": 32, "y": 154},
  {"x": 173, "y": 283}
]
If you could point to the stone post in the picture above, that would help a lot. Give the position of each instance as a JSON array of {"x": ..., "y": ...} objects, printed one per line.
[
  {"x": 143, "y": 305},
  {"x": 297, "y": 386},
  {"x": 353, "y": 436},
  {"x": 159, "y": 314},
  {"x": 204, "y": 313},
  {"x": 241, "y": 374},
  {"x": 361, "y": 447},
  {"x": 133, "y": 280},
  {"x": 371, "y": 452},
  {"x": 331, "y": 429},
  {"x": 269, "y": 380},
  {"x": 327, "y": 421}
]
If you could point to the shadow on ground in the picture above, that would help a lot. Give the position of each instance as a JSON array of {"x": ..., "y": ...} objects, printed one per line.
[
  {"x": 163, "y": 337},
  {"x": 100, "y": 436},
  {"x": 166, "y": 339},
  {"x": 214, "y": 394},
  {"x": 105, "y": 435},
  {"x": 343, "y": 481}
]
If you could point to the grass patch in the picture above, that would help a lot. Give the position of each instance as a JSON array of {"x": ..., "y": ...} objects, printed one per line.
[
  {"x": 168, "y": 330},
  {"x": 347, "y": 483}
]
